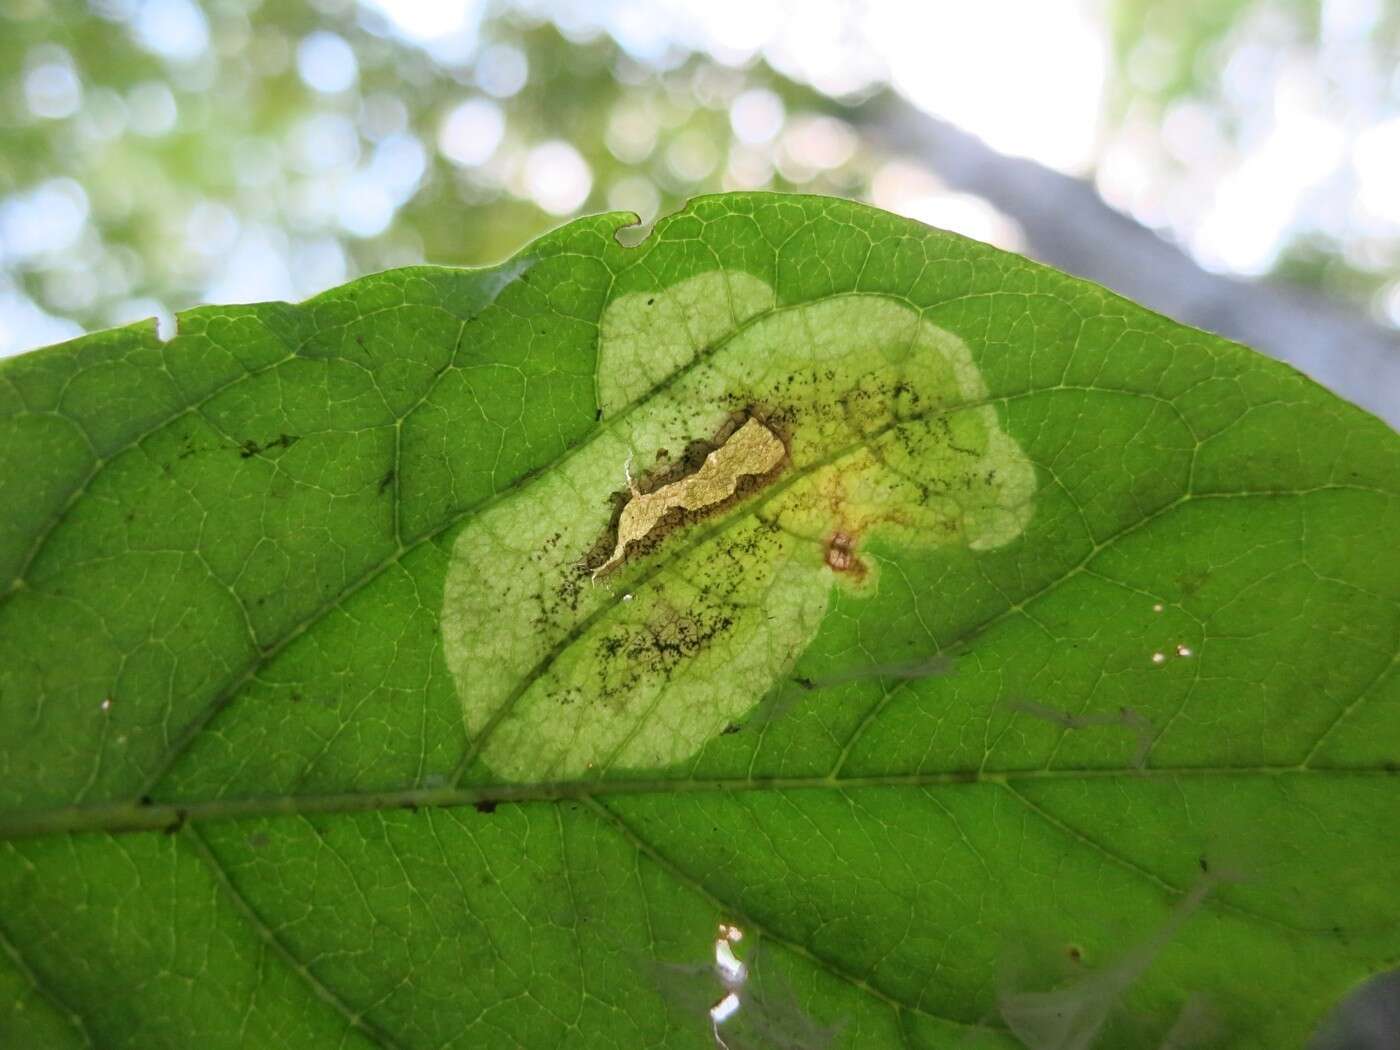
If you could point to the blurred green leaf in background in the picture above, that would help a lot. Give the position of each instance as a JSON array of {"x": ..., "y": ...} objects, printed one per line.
[{"x": 159, "y": 153}]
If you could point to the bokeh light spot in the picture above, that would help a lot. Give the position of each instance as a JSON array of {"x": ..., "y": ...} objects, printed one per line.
[
  {"x": 326, "y": 63},
  {"x": 324, "y": 142},
  {"x": 471, "y": 131},
  {"x": 46, "y": 220},
  {"x": 757, "y": 116},
  {"x": 502, "y": 70},
  {"x": 692, "y": 156},
  {"x": 631, "y": 132},
  {"x": 365, "y": 207},
  {"x": 635, "y": 193},
  {"x": 52, "y": 89},
  {"x": 174, "y": 29},
  {"x": 557, "y": 178},
  {"x": 151, "y": 108}
]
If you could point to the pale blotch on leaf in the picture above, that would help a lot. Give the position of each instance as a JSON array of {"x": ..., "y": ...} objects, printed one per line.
[
  {"x": 596, "y": 621},
  {"x": 1125, "y": 717},
  {"x": 644, "y": 339},
  {"x": 1072, "y": 1016}
]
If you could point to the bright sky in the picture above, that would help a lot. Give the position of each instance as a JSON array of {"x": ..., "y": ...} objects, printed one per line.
[
  {"x": 1038, "y": 93},
  {"x": 955, "y": 60},
  {"x": 960, "y": 68}
]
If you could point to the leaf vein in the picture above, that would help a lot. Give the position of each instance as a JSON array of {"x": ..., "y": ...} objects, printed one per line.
[
  {"x": 354, "y": 1020},
  {"x": 11, "y": 949},
  {"x": 831, "y": 966}
]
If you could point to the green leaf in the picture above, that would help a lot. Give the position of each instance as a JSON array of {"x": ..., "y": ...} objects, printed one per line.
[{"x": 436, "y": 663}]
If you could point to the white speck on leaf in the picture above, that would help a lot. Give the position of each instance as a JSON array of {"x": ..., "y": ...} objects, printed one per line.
[
  {"x": 732, "y": 974},
  {"x": 731, "y": 971},
  {"x": 724, "y": 1010}
]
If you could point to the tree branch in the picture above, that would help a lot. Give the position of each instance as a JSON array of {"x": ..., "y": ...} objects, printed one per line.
[{"x": 1069, "y": 226}]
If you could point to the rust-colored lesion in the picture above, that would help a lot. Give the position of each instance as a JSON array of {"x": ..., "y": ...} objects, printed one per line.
[
  {"x": 841, "y": 554},
  {"x": 752, "y": 450}
]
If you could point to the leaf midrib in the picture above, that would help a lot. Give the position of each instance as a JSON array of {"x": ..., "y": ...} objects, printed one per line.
[{"x": 124, "y": 816}]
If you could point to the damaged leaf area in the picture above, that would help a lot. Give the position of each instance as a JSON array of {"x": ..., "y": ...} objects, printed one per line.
[
  {"x": 717, "y": 581},
  {"x": 751, "y": 451},
  {"x": 803, "y": 628}
]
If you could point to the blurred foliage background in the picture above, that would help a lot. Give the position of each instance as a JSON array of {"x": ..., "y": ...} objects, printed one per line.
[{"x": 155, "y": 154}]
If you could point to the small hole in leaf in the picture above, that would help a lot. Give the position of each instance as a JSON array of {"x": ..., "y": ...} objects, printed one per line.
[{"x": 634, "y": 232}]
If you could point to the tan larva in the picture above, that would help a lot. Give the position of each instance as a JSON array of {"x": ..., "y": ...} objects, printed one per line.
[{"x": 751, "y": 450}]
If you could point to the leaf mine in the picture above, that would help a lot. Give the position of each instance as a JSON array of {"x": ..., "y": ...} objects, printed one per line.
[
  {"x": 624, "y": 631},
  {"x": 1072, "y": 1016}
]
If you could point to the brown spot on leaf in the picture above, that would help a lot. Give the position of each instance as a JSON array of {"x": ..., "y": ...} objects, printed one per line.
[
  {"x": 841, "y": 554},
  {"x": 251, "y": 448}
]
